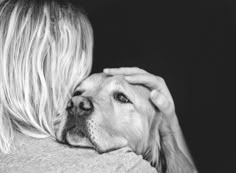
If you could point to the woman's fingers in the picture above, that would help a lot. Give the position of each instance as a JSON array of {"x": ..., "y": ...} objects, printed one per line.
[
  {"x": 162, "y": 102},
  {"x": 146, "y": 79},
  {"x": 151, "y": 81},
  {"x": 124, "y": 71},
  {"x": 160, "y": 94},
  {"x": 136, "y": 75}
]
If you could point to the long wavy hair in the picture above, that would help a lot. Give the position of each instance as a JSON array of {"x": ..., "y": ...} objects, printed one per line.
[{"x": 45, "y": 51}]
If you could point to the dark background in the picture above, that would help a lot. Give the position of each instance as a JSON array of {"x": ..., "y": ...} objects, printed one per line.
[{"x": 185, "y": 42}]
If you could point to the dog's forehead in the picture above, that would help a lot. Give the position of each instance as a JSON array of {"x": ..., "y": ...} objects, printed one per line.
[
  {"x": 93, "y": 81},
  {"x": 96, "y": 78},
  {"x": 102, "y": 80}
]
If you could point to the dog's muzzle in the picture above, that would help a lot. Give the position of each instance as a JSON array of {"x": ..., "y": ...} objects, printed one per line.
[{"x": 75, "y": 132}]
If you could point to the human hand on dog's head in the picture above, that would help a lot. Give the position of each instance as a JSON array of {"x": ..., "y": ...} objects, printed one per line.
[
  {"x": 107, "y": 112},
  {"x": 159, "y": 95}
]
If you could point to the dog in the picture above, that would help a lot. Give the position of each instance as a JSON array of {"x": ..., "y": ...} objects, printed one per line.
[{"x": 107, "y": 113}]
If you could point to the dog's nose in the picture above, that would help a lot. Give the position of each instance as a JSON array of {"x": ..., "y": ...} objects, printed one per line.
[
  {"x": 85, "y": 105},
  {"x": 80, "y": 106}
]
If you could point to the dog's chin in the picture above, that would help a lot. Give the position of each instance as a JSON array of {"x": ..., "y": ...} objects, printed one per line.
[
  {"x": 79, "y": 141},
  {"x": 82, "y": 141}
]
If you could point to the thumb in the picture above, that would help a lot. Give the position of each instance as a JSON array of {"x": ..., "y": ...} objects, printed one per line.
[{"x": 159, "y": 100}]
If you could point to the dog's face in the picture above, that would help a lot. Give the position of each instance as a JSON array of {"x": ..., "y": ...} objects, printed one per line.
[{"x": 107, "y": 113}]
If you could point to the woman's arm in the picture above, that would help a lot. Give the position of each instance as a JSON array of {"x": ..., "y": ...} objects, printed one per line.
[{"x": 160, "y": 96}]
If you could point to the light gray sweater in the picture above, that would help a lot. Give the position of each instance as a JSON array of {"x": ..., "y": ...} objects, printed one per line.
[{"x": 31, "y": 155}]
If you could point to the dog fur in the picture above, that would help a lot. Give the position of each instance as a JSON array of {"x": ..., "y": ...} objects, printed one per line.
[{"x": 107, "y": 113}]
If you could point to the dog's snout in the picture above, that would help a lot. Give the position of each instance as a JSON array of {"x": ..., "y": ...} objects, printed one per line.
[{"x": 80, "y": 105}]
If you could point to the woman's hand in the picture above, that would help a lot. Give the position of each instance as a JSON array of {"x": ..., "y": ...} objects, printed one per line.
[{"x": 159, "y": 94}]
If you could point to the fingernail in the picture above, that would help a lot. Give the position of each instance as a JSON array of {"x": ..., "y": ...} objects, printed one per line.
[
  {"x": 154, "y": 94},
  {"x": 105, "y": 70},
  {"x": 127, "y": 78},
  {"x": 160, "y": 101}
]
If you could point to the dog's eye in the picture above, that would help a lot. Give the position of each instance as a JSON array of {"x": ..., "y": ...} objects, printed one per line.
[
  {"x": 77, "y": 93},
  {"x": 121, "y": 97}
]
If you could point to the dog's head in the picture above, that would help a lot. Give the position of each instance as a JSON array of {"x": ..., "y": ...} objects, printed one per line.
[{"x": 108, "y": 113}]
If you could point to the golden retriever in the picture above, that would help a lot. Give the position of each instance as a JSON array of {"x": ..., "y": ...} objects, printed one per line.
[{"x": 107, "y": 113}]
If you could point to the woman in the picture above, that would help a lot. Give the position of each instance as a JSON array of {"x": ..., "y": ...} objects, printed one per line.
[{"x": 45, "y": 52}]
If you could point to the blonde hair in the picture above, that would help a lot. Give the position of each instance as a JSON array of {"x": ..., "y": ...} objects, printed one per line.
[{"x": 45, "y": 51}]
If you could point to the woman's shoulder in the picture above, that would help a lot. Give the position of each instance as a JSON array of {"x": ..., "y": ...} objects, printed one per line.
[{"x": 46, "y": 155}]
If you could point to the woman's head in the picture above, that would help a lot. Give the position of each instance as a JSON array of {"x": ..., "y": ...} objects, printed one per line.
[{"x": 45, "y": 51}]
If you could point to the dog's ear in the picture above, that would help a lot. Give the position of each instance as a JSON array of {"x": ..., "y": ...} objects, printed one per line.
[
  {"x": 153, "y": 152},
  {"x": 163, "y": 152}
]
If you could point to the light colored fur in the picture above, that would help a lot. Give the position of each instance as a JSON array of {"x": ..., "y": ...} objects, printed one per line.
[
  {"x": 113, "y": 124},
  {"x": 45, "y": 51}
]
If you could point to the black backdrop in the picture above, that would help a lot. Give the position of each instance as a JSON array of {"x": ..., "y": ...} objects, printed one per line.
[{"x": 182, "y": 41}]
